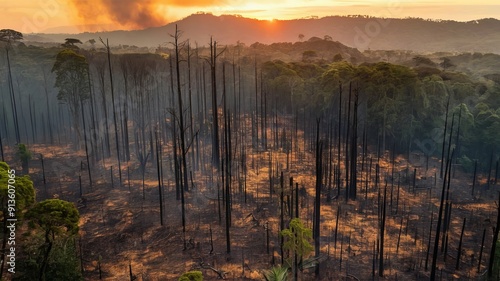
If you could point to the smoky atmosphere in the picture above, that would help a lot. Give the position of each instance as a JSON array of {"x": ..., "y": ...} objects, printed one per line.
[{"x": 245, "y": 140}]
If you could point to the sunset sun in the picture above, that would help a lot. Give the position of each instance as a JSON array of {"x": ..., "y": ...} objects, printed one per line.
[{"x": 36, "y": 16}]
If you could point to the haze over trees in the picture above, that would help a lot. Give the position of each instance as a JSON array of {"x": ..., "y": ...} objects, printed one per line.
[
  {"x": 213, "y": 159},
  {"x": 354, "y": 31}
]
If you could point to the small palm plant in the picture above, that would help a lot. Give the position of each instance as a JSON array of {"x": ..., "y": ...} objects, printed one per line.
[{"x": 277, "y": 274}]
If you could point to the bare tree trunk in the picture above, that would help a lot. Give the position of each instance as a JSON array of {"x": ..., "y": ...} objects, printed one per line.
[
  {"x": 354, "y": 149},
  {"x": 317, "y": 202},
  {"x": 438, "y": 226},
  {"x": 494, "y": 241},
  {"x": 182, "y": 128},
  {"x": 215, "y": 115},
  {"x": 457, "y": 266},
  {"x": 117, "y": 142},
  {"x": 481, "y": 251},
  {"x": 12, "y": 97},
  {"x": 382, "y": 232},
  {"x": 86, "y": 145},
  {"x": 444, "y": 137},
  {"x": 158, "y": 168}
]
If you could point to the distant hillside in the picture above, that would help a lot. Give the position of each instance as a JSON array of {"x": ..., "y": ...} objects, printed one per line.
[{"x": 358, "y": 32}]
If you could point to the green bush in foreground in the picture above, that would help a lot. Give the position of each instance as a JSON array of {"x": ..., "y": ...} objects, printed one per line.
[{"x": 192, "y": 276}]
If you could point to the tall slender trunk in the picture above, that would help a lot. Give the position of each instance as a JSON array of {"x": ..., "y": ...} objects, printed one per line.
[
  {"x": 317, "y": 202},
  {"x": 215, "y": 115},
  {"x": 347, "y": 135},
  {"x": 86, "y": 145},
  {"x": 115, "y": 122},
  {"x": 339, "y": 140},
  {"x": 158, "y": 169},
  {"x": 354, "y": 149},
  {"x": 382, "y": 232},
  {"x": 459, "y": 253},
  {"x": 494, "y": 241},
  {"x": 438, "y": 226},
  {"x": 444, "y": 137},
  {"x": 45, "y": 260},
  {"x": 190, "y": 98},
  {"x": 182, "y": 128},
  {"x": 12, "y": 97}
]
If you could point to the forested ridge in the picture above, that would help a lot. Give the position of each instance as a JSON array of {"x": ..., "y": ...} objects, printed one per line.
[{"x": 363, "y": 32}]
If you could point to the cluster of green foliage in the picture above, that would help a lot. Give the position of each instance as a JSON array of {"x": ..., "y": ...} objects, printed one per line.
[
  {"x": 192, "y": 276},
  {"x": 25, "y": 192},
  {"x": 24, "y": 155},
  {"x": 50, "y": 249},
  {"x": 71, "y": 76},
  {"x": 397, "y": 102},
  {"x": 63, "y": 263},
  {"x": 277, "y": 273},
  {"x": 297, "y": 238}
]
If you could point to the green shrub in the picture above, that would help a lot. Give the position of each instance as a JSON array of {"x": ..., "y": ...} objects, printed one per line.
[
  {"x": 192, "y": 276},
  {"x": 25, "y": 155}
]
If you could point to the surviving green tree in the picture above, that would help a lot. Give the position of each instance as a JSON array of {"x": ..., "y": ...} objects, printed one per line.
[
  {"x": 57, "y": 219},
  {"x": 25, "y": 156},
  {"x": 24, "y": 198},
  {"x": 72, "y": 80},
  {"x": 297, "y": 238}
]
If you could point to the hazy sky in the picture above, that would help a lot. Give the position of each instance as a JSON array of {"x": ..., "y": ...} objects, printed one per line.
[{"x": 30, "y": 16}]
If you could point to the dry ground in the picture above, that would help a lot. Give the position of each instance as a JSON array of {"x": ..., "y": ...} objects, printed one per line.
[{"x": 119, "y": 227}]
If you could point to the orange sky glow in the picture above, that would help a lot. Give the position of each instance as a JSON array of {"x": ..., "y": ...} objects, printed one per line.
[{"x": 52, "y": 16}]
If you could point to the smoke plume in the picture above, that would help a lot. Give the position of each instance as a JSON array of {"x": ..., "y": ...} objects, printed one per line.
[{"x": 132, "y": 14}]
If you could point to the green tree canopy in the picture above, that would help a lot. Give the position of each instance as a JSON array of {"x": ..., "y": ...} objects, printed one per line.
[
  {"x": 297, "y": 238},
  {"x": 24, "y": 198},
  {"x": 25, "y": 192},
  {"x": 71, "y": 71},
  {"x": 10, "y": 35},
  {"x": 71, "y": 77},
  {"x": 55, "y": 216}
]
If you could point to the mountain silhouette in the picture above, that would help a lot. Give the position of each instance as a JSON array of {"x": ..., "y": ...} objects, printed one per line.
[{"x": 361, "y": 32}]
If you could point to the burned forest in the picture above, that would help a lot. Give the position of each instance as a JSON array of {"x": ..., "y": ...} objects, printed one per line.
[{"x": 218, "y": 160}]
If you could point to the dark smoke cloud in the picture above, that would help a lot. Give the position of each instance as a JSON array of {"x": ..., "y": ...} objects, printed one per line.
[{"x": 131, "y": 13}]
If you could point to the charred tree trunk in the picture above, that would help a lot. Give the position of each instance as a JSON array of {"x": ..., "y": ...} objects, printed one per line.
[
  {"x": 86, "y": 145},
  {"x": 339, "y": 140},
  {"x": 444, "y": 137},
  {"x": 215, "y": 115},
  {"x": 12, "y": 97},
  {"x": 354, "y": 149},
  {"x": 159, "y": 176},
  {"x": 457, "y": 266},
  {"x": 495, "y": 241},
  {"x": 481, "y": 251},
  {"x": 182, "y": 127},
  {"x": 382, "y": 232},
  {"x": 282, "y": 215},
  {"x": 117, "y": 142},
  {"x": 317, "y": 201},
  {"x": 474, "y": 178},
  {"x": 347, "y": 139},
  {"x": 439, "y": 221}
]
